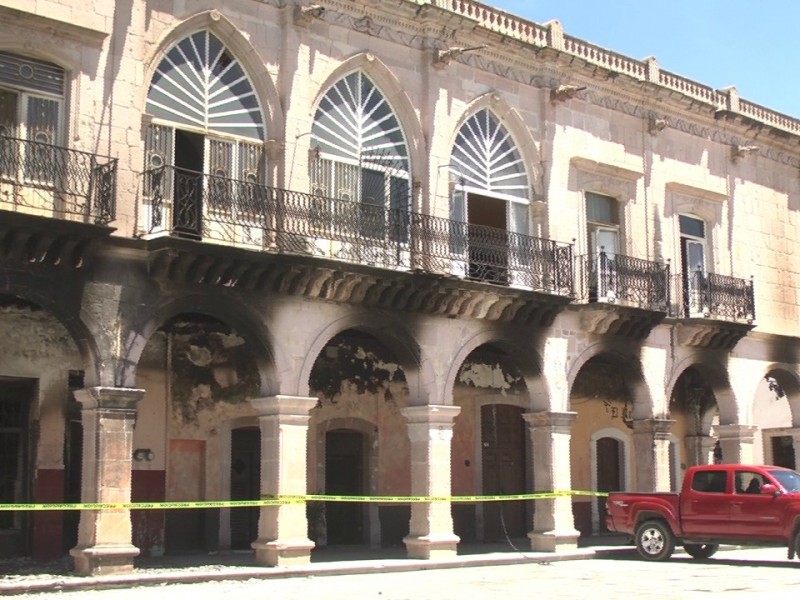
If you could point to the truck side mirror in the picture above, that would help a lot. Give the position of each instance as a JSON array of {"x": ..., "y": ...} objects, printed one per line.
[{"x": 769, "y": 489}]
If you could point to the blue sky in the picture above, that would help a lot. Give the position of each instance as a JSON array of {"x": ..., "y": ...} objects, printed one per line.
[{"x": 753, "y": 45}]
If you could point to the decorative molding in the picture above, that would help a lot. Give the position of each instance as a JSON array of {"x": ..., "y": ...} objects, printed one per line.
[
  {"x": 695, "y": 192},
  {"x": 565, "y": 92},
  {"x": 606, "y": 169},
  {"x": 305, "y": 15}
]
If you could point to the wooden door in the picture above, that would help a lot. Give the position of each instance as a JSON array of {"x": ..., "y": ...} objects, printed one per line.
[
  {"x": 245, "y": 484},
  {"x": 503, "y": 458},
  {"x": 344, "y": 476},
  {"x": 609, "y": 476}
]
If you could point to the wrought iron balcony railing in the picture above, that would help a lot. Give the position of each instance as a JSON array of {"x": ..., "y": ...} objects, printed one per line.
[
  {"x": 57, "y": 182},
  {"x": 235, "y": 212},
  {"x": 701, "y": 295},
  {"x": 625, "y": 280}
]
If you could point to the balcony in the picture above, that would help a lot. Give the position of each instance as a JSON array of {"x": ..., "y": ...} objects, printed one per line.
[
  {"x": 623, "y": 296},
  {"x": 623, "y": 280},
  {"x": 213, "y": 209},
  {"x": 51, "y": 181},
  {"x": 703, "y": 295}
]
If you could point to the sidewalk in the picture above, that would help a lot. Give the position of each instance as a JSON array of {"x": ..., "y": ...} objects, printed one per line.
[{"x": 20, "y": 576}]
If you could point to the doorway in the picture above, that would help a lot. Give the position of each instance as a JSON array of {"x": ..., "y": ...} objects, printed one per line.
[
  {"x": 488, "y": 248},
  {"x": 245, "y": 485},
  {"x": 187, "y": 216},
  {"x": 15, "y": 477},
  {"x": 503, "y": 460},
  {"x": 693, "y": 265},
  {"x": 609, "y": 474},
  {"x": 345, "y": 476}
]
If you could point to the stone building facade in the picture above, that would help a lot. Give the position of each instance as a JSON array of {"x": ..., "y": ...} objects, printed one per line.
[{"x": 417, "y": 248}]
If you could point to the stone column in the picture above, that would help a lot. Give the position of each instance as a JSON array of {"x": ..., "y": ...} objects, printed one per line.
[
  {"x": 736, "y": 443},
  {"x": 651, "y": 446},
  {"x": 553, "y": 521},
  {"x": 283, "y": 528},
  {"x": 105, "y": 536},
  {"x": 430, "y": 430},
  {"x": 700, "y": 450}
]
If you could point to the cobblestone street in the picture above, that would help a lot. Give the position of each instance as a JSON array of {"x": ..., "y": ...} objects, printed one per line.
[{"x": 736, "y": 573}]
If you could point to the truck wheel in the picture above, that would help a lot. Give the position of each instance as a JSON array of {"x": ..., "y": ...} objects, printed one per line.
[
  {"x": 654, "y": 540},
  {"x": 701, "y": 551},
  {"x": 795, "y": 547}
]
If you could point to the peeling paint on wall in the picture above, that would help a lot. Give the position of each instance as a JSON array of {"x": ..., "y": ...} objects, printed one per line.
[
  {"x": 354, "y": 365},
  {"x": 209, "y": 365}
]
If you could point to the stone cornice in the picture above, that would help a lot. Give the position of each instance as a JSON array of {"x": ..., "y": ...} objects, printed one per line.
[{"x": 427, "y": 27}]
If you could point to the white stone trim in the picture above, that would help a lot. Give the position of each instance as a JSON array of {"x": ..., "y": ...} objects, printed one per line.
[{"x": 627, "y": 444}]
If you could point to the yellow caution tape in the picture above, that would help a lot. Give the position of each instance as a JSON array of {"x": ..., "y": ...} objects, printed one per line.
[{"x": 280, "y": 500}]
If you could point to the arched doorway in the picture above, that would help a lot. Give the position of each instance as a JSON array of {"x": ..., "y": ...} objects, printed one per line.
[
  {"x": 345, "y": 475},
  {"x": 609, "y": 453},
  {"x": 204, "y": 148}
]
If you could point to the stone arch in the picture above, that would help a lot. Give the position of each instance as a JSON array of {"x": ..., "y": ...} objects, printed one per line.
[
  {"x": 394, "y": 93},
  {"x": 240, "y": 316},
  {"x": 245, "y": 53},
  {"x": 91, "y": 344},
  {"x": 716, "y": 375},
  {"x": 509, "y": 118},
  {"x": 386, "y": 330},
  {"x": 532, "y": 372},
  {"x": 788, "y": 378},
  {"x": 643, "y": 406}
]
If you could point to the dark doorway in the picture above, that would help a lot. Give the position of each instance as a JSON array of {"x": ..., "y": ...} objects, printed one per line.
[
  {"x": 187, "y": 214},
  {"x": 503, "y": 456},
  {"x": 344, "y": 476},
  {"x": 609, "y": 476},
  {"x": 488, "y": 239},
  {"x": 73, "y": 462},
  {"x": 15, "y": 479},
  {"x": 245, "y": 485},
  {"x": 783, "y": 451}
]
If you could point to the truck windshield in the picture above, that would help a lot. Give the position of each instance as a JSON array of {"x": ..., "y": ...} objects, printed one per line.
[{"x": 788, "y": 479}]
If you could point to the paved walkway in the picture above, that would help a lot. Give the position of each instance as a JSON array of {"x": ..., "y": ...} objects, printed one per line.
[{"x": 20, "y": 576}]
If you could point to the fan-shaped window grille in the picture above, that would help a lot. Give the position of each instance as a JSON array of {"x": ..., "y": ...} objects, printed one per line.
[
  {"x": 361, "y": 156},
  {"x": 485, "y": 158},
  {"x": 200, "y": 84}
]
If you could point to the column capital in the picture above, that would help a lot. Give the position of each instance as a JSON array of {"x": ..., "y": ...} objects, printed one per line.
[
  {"x": 109, "y": 398},
  {"x": 659, "y": 428},
  {"x": 433, "y": 414},
  {"x": 742, "y": 433},
  {"x": 298, "y": 406},
  {"x": 552, "y": 419}
]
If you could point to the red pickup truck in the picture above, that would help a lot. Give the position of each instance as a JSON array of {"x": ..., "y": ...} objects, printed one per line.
[{"x": 732, "y": 504}]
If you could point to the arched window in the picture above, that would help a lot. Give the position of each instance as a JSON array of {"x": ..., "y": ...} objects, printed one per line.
[
  {"x": 208, "y": 131},
  {"x": 489, "y": 201},
  {"x": 360, "y": 156}
]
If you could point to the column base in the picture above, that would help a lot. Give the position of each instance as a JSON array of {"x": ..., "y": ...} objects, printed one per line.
[
  {"x": 103, "y": 560},
  {"x": 281, "y": 553},
  {"x": 427, "y": 547},
  {"x": 554, "y": 541}
]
